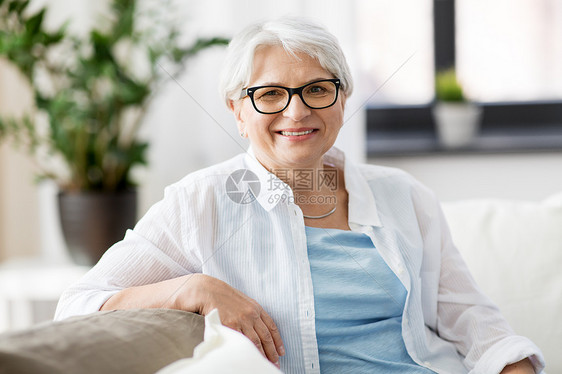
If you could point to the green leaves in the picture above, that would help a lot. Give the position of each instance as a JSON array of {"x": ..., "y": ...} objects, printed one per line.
[
  {"x": 94, "y": 86},
  {"x": 125, "y": 27},
  {"x": 33, "y": 24},
  {"x": 204, "y": 43},
  {"x": 23, "y": 39},
  {"x": 447, "y": 87},
  {"x": 17, "y": 6}
]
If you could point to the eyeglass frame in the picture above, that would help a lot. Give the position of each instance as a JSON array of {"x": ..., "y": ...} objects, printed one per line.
[{"x": 292, "y": 91}]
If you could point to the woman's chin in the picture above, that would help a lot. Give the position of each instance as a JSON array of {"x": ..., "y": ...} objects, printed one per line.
[{"x": 299, "y": 159}]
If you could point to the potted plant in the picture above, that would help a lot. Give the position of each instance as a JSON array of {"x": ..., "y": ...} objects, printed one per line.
[
  {"x": 457, "y": 119},
  {"x": 90, "y": 94}
]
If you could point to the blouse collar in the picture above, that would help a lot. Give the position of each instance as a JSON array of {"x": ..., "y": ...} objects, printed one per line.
[{"x": 362, "y": 208}]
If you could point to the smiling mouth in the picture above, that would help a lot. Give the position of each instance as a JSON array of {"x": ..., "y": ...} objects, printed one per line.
[{"x": 296, "y": 133}]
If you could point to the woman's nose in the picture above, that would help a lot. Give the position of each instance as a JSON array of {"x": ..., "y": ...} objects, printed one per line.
[{"x": 296, "y": 110}]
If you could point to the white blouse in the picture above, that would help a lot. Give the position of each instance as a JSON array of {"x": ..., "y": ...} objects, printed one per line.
[{"x": 259, "y": 247}]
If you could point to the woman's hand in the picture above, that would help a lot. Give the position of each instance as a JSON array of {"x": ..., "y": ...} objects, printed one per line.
[
  {"x": 199, "y": 293},
  {"x": 237, "y": 311},
  {"x": 521, "y": 367}
]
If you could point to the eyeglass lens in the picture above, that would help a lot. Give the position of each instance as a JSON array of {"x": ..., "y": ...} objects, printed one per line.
[{"x": 316, "y": 95}]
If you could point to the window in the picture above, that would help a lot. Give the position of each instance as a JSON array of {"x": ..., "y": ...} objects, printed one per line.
[
  {"x": 510, "y": 50},
  {"x": 397, "y": 37},
  {"x": 508, "y": 56}
]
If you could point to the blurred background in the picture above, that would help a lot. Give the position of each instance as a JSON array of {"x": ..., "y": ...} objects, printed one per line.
[{"x": 508, "y": 59}]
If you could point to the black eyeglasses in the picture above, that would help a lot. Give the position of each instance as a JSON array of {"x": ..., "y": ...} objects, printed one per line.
[{"x": 274, "y": 99}]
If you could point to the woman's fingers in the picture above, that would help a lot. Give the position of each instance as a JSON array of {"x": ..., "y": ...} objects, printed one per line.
[
  {"x": 255, "y": 327},
  {"x": 267, "y": 343},
  {"x": 251, "y": 334},
  {"x": 275, "y": 335}
]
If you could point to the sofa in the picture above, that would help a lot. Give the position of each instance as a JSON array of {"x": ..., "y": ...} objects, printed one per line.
[
  {"x": 514, "y": 251},
  {"x": 513, "y": 248}
]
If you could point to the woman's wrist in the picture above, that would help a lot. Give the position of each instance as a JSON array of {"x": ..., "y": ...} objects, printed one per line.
[
  {"x": 522, "y": 367},
  {"x": 197, "y": 295},
  {"x": 182, "y": 293}
]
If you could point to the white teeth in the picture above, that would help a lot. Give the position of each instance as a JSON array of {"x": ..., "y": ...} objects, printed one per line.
[{"x": 291, "y": 133}]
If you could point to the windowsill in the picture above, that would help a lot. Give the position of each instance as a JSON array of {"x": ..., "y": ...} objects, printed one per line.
[{"x": 487, "y": 142}]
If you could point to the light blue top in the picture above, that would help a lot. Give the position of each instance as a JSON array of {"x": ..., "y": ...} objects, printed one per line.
[{"x": 358, "y": 303}]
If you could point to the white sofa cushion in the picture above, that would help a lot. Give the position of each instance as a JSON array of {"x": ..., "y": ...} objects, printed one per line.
[{"x": 514, "y": 250}]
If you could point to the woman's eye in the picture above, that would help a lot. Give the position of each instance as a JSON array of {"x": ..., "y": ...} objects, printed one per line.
[
  {"x": 316, "y": 90},
  {"x": 269, "y": 94}
]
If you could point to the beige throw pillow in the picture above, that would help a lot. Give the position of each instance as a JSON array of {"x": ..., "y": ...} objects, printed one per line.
[{"x": 128, "y": 341}]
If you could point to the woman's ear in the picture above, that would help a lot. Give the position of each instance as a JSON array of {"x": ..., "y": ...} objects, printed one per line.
[
  {"x": 231, "y": 104},
  {"x": 343, "y": 99},
  {"x": 236, "y": 108}
]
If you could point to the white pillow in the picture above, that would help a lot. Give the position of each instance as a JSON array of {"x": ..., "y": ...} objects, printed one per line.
[
  {"x": 514, "y": 251},
  {"x": 223, "y": 350}
]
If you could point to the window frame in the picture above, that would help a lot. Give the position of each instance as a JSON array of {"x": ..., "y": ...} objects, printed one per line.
[{"x": 392, "y": 130}]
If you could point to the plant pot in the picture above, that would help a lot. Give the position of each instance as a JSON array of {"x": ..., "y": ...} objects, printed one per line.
[
  {"x": 457, "y": 123},
  {"x": 93, "y": 221}
]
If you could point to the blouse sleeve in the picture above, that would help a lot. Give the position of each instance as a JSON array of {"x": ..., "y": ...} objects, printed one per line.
[
  {"x": 154, "y": 251},
  {"x": 465, "y": 316}
]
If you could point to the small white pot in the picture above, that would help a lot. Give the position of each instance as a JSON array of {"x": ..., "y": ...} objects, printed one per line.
[{"x": 457, "y": 123}]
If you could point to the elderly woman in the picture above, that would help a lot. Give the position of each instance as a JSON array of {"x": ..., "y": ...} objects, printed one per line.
[{"x": 327, "y": 266}]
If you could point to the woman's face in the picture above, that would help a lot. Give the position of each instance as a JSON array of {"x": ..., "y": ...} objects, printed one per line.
[{"x": 277, "y": 150}]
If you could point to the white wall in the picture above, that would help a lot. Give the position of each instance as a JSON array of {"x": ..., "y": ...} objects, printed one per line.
[
  {"x": 530, "y": 176},
  {"x": 19, "y": 226},
  {"x": 2, "y": 205}
]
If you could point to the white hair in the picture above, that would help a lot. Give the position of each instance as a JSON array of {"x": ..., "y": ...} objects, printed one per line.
[{"x": 295, "y": 35}]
